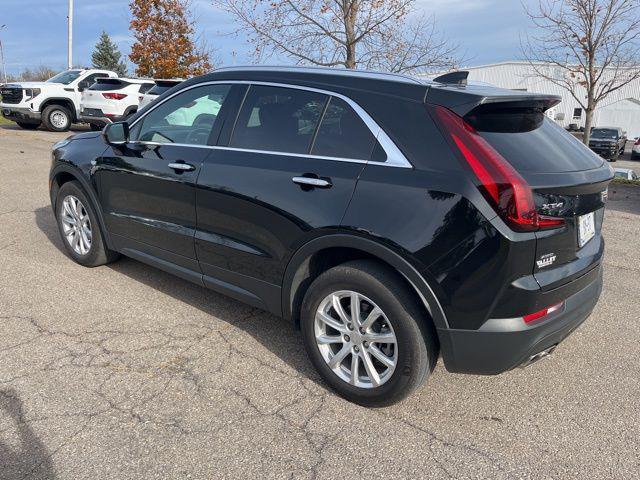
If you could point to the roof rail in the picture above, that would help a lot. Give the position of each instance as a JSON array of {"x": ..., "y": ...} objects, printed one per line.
[{"x": 325, "y": 70}]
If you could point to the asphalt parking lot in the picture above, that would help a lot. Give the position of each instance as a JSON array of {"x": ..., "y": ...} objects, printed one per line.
[{"x": 124, "y": 371}]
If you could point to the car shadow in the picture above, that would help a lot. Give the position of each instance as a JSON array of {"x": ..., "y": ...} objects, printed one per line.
[
  {"x": 26, "y": 456},
  {"x": 276, "y": 334},
  {"x": 73, "y": 129}
]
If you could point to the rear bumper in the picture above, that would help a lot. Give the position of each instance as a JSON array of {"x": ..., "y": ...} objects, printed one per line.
[
  {"x": 98, "y": 117},
  {"x": 18, "y": 114},
  {"x": 503, "y": 344},
  {"x": 102, "y": 121}
]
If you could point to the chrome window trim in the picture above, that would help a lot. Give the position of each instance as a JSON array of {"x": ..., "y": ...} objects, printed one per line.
[{"x": 395, "y": 158}]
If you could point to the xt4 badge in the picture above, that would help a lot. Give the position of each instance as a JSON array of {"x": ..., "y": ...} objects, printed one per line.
[{"x": 546, "y": 260}]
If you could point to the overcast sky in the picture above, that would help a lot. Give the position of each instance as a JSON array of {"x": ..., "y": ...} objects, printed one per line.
[{"x": 36, "y": 30}]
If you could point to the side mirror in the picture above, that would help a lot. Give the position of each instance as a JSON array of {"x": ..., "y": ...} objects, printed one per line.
[
  {"x": 116, "y": 133},
  {"x": 83, "y": 85}
]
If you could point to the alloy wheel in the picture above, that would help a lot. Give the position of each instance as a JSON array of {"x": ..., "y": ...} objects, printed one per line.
[
  {"x": 76, "y": 225},
  {"x": 58, "y": 119},
  {"x": 356, "y": 339}
]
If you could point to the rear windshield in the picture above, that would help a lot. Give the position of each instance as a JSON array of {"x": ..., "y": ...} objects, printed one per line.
[
  {"x": 102, "y": 85},
  {"x": 607, "y": 133},
  {"x": 532, "y": 142}
]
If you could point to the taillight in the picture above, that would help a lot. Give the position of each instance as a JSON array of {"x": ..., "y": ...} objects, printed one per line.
[
  {"x": 637, "y": 141},
  {"x": 501, "y": 185},
  {"x": 114, "y": 96},
  {"x": 542, "y": 313}
]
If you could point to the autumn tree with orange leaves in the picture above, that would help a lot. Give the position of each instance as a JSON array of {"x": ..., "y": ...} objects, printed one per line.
[{"x": 165, "y": 47}]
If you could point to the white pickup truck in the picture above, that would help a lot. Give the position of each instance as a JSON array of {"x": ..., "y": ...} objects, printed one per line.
[{"x": 54, "y": 103}]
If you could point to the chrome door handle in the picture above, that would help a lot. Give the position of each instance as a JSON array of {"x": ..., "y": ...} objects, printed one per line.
[
  {"x": 312, "y": 182},
  {"x": 183, "y": 167}
]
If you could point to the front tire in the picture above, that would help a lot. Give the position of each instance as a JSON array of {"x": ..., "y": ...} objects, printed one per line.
[
  {"x": 79, "y": 227},
  {"x": 366, "y": 333},
  {"x": 56, "y": 118}
]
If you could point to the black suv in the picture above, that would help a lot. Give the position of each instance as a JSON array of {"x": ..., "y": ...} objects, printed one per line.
[
  {"x": 608, "y": 142},
  {"x": 393, "y": 220}
]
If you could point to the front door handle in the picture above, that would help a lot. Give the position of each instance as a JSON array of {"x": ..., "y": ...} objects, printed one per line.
[
  {"x": 182, "y": 167},
  {"x": 312, "y": 182}
]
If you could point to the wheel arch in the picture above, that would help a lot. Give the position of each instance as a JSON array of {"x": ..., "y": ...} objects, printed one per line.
[
  {"x": 325, "y": 252},
  {"x": 65, "y": 173},
  {"x": 63, "y": 102}
]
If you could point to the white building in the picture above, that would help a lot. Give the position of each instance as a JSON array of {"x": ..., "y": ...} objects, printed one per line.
[{"x": 620, "y": 109}]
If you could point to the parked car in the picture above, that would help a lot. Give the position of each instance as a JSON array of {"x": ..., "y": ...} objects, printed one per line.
[
  {"x": 626, "y": 174},
  {"x": 608, "y": 142},
  {"x": 158, "y": 89},
  {"x": 111, "y": 100},
  {"x": 392, "y": 220},
  {"x": 54, "y": 103},
  {"x": 635, "y": 151}
]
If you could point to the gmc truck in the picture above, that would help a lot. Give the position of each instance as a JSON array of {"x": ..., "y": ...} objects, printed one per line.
[{"x": 54, "y": 103}]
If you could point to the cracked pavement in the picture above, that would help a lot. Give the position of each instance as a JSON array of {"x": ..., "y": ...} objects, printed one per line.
[{"x": 124, "y": 371}]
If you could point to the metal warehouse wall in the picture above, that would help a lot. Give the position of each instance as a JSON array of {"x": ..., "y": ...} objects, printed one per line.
[{"x": 521, "y": 76}]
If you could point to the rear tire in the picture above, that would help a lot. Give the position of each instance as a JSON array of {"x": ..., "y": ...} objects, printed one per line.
[
  {"x": 413, "y": 354},
  {"x": 82, "y": 216},
  {"x": 56, "y": 118},
  {"x": 28, "y": 126}
]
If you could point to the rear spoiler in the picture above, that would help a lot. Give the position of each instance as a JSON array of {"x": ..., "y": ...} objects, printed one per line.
[{"x": 462, "y": 98}]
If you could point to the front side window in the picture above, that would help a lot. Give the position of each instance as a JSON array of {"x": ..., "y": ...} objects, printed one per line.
[
  {"x": 278, "y": 119},
  {"x": 187, "y": 118}
]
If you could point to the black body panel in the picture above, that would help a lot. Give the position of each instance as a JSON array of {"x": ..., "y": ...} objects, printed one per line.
[
  {"x": 145, "y": 200},
  {"x": 252, "y": 217}
]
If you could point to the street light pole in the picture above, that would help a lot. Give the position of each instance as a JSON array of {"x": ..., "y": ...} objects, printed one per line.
[
  {"x": 70, "y": 35},
  {"x": 4, "y": 68}
]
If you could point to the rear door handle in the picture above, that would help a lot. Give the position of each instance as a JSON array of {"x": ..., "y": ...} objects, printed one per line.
[
  {"x": 182, "y": 167},
  {"x": 312, "y": 182}
]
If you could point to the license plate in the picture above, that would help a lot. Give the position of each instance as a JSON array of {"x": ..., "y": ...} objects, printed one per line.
[{"x": 586, "y": 228}]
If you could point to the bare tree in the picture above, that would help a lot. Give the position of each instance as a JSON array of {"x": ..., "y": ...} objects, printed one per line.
[
  {"x": 590, "y": 48},
  {"x": 377, "y": 34},
  {"x": 37, "y": 74}
]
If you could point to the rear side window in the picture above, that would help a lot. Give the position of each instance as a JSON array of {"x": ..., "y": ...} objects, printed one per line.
[
  {"x": 343, "y": 134},
  {"x": 530, "y": 141},
  {"x": 278, "y": 119}
]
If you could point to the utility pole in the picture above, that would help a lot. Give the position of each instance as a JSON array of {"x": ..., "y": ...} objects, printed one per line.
[
  {"x": 70, "y": 34},
  {"x": 4, "y": 68}
]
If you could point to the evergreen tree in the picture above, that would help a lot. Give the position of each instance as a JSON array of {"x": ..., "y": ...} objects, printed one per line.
[{"x": 106, "y": 56}]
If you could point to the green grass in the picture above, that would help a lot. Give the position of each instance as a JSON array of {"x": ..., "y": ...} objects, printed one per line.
[
  {"x": 4, "y": 121},
  {"x": 624, "y": 181}
]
